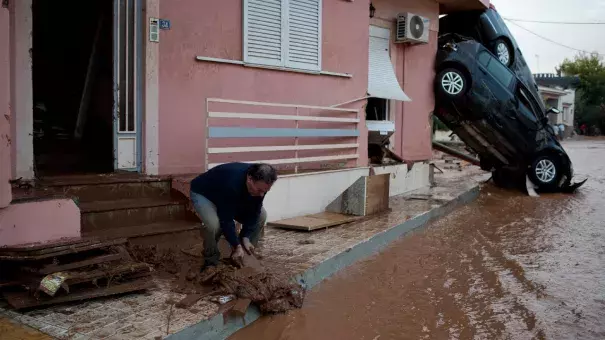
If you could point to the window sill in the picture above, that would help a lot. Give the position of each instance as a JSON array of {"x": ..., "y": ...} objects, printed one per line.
[{"x": 239, "y": 62}]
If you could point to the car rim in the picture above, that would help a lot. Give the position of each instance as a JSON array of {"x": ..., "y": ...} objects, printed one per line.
[
  {"x": 452, "y": 83},
  {"x": 546, "y": 171},
  {"x": 503, "y": 53}
]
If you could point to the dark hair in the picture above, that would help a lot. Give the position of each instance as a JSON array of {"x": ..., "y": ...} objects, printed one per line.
[{"x": 262, "y": 172}]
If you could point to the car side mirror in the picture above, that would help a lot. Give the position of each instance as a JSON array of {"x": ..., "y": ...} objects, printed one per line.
[{"x": 553, "y": 110}]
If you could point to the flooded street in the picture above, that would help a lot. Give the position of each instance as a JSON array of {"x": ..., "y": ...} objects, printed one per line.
[{"x": 507, "y": 266}]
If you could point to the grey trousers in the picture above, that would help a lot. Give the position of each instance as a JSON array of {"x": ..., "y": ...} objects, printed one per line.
[{"x": 211, "y": 228}]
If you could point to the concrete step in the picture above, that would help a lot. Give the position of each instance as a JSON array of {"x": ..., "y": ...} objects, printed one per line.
[
  {"x": 107, "y": 188},
  {"x": 145, "y": 230},
  {"x": 104, "y": 215}
]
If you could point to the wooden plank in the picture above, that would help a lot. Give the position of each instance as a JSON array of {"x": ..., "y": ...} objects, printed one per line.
[
  {"x": 297, "y": 160},
  {"x": 70, "y": 250},
  {"x": 313, "y": 222},
  {"x": 79, "y": 277},
  {"x": 282, "y": 148},
  {"x": 245, "y": 132},
  {"x": 39, "y": 248},
  {"x": 21, "y": 300},
  {"x": 73, "y": 265},
  {"x": 377, "y": 193},
  {"x": 267, "y": 116},
  {"x": 218, "y": 100},
  {"x": 191, "y": 299}
]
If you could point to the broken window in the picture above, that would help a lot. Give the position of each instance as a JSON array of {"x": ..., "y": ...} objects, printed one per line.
[{"x": 377, "y": 109}]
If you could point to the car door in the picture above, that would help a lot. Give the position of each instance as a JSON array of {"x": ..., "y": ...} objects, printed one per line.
[
  {"x": 496, "y": 86},
  {"x": 533, "y": 118}
]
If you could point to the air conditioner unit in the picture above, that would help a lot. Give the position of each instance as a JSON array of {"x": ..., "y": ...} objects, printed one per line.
[{"x": 412, "y": 28}]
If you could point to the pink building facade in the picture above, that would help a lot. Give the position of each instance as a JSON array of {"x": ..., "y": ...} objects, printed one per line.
[{"x": 203, "y": 74}]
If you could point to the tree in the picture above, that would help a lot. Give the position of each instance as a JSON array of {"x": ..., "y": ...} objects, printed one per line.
[{"x": 590, "y": 95}]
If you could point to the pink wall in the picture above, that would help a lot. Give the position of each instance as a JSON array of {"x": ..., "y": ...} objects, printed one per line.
[
  {"x": 214, "y": 29},
  {"x": 414, "y": 69},
  {"x": 5, "y": 130},
  {"x": 40, "y": 221}
]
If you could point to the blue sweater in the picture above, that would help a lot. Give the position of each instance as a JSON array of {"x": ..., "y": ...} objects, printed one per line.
[{"x": 225, "y": 186}]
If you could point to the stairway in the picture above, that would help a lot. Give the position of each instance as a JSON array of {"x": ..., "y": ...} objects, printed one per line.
[{"x": 143, "y": 209}]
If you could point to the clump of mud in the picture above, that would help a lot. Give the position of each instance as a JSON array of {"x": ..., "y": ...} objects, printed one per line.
[{"x": 271, "y": 292}]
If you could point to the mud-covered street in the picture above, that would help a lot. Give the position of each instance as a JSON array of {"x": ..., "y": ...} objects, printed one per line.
[{"x": 507, "y": 266}]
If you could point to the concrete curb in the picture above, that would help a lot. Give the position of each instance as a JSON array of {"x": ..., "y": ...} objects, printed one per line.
[{"x": 217, "y": 328}]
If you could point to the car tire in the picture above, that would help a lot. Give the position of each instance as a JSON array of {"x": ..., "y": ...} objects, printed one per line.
[
  {"x": 451, "y": 83},
  {"x": 545, "y": 171},
  {"x": 503, "y": 52}
]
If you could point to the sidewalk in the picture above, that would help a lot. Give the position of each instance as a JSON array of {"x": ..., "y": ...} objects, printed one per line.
[{"x": 308, "y": 257}]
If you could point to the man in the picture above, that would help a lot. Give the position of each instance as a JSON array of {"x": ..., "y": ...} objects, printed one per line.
[{"x": 228, "y": 192}]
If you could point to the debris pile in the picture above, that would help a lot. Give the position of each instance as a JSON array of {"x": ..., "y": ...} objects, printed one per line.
[
  {"x": 69, "y": 270},
  {"x": 232, "y": 287},
  {"x": 273, "y": 294}
]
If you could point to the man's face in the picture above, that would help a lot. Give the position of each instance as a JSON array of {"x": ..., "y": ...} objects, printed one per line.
[{"x": 257, "y": 188}]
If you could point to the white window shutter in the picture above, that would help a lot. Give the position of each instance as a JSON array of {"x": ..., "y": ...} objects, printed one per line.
[
  {"x": 304, "y": 34},
  {"x": 264, "y": 32}
]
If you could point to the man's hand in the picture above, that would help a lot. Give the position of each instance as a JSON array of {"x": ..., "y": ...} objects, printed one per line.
[
  {"x": 238, "y": 255},
  {"x": 248, "y": 246}
]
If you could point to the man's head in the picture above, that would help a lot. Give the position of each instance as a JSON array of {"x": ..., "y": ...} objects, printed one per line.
[{"x": 260, "y": 178}]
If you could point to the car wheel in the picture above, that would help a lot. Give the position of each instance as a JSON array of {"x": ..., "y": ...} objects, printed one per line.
[
  {"x": 451, "y": 82},
  {"x": 545, "y": 172},
  {"x": 503, "y": 51}
]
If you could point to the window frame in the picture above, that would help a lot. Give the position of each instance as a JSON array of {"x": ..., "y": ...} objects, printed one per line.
[{"x": 285, "y": 62}]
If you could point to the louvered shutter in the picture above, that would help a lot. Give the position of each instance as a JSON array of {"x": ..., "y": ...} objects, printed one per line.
[
  {"x": 304, "y": 34},
  {"x": 264, "y": 32}
]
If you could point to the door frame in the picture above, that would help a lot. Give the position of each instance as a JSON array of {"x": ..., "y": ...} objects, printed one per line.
[
  {"x": 21, "y": 90},
  {"x": 137, "y": 69}
]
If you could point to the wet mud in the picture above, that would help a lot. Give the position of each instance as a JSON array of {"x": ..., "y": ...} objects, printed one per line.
[
  {"x": 507, "y": 266},
  {"x": 272, "y": 290}
]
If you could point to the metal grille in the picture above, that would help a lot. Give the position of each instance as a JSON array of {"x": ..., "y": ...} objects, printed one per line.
[{"x": 126, "y": 113}]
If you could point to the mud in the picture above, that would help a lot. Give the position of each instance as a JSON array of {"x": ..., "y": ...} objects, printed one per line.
[
  {"x": 507, "y": 266},
  {"x": 273, "y": 291}
]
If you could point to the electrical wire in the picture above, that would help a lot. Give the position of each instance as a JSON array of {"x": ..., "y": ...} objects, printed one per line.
[
  {"x": 550, "y": 40},
  {"x": 556, "y": 22}
]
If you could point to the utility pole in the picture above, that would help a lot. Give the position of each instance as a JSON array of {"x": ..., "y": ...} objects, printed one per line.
[{"x": 538, "y": 62}]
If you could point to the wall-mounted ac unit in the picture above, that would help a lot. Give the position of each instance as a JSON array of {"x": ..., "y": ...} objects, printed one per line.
[{"x": 412, "y": 28}]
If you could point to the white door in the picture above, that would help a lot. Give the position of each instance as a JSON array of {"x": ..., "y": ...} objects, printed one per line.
[{"x": 127, "y": 48}]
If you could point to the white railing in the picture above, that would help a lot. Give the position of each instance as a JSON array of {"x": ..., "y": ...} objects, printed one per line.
[{"x": 297, "y": 133}]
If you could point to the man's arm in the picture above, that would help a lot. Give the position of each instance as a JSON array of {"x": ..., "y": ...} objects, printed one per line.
[
  {"x": 249, "y": 224},
  {"x": 226, "y": 214}
]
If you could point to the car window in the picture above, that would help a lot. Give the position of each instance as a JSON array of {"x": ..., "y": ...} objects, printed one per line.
[
  {"x": 499, "y": 71},
  {"x": 484, "y": 58}
]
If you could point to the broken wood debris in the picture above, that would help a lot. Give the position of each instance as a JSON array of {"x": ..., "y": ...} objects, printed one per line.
[
  {"x": 240, "y": 307},
  {"x": 92, "y": 269}
]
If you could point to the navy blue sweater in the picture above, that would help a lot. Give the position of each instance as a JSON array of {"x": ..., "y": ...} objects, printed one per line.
[{"x": 225, "y": 186}]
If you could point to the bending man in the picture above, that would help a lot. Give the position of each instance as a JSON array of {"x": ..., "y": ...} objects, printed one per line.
[{"x": 228, "y": 192}]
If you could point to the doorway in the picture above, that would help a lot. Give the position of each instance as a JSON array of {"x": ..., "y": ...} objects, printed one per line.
[
  {"x": 72, "y": 67},
  {"x": 85, "y": 86}
]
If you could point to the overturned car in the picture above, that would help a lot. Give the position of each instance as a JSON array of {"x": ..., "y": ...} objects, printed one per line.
[{"x": 492, "y": 110}]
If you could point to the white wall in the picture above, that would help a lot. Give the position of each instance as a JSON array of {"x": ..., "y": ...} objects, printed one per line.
[
  {"x": 570, "y": 97},
  {"x": 404, "y": 181},
  {"x": 303, "y": 194}
]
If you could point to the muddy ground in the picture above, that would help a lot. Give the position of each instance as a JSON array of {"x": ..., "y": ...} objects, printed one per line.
[{"x": 507, "y": 266}]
